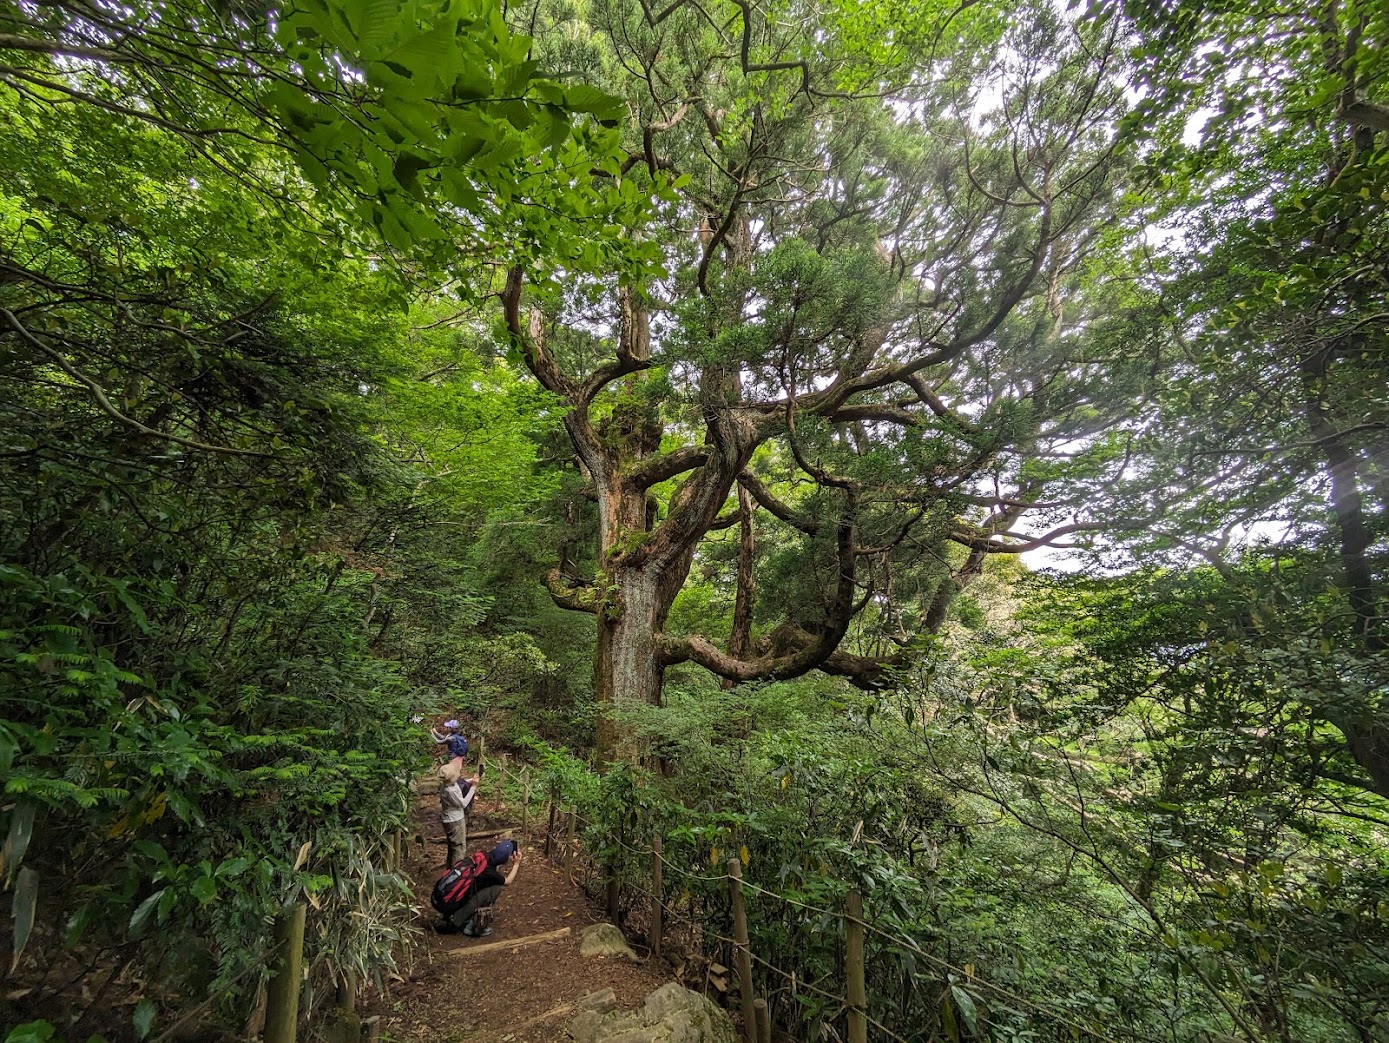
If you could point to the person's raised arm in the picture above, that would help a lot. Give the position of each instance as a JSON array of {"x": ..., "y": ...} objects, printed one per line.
[{"x": 515, "y": 865}]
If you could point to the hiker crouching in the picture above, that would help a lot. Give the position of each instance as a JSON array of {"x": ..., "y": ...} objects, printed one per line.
[{"x": 466, "y": 894}]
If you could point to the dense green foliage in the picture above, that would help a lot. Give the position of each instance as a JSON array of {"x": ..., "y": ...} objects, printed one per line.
[
  {"x": 348, "y": 347},
  {"x": 230, "y": 588}
]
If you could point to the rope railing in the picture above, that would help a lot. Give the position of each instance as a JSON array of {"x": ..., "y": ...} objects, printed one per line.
[
  {"x": 904, "y": 942},
  {"x": 559, "y": 830}
]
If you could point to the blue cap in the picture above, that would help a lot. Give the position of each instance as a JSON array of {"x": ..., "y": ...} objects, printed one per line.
[{"x": 501, "y": 852}]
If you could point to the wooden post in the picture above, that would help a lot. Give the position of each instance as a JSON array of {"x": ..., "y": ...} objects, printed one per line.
[
  {"x": 550, "y": 829},
  {"x": 398, "y": 848},
  {"x": 282, "y": 1005},
  {"x": 569, "y": 859},
  {"x": 764, "y": 1020},
  {"x": 343, "y": 1025},
  {"x": 854, "y": 968},
  {"x": 653, "y": 938},
  {"x": 744, "y": 954},
  {"x": 481, "y": 751},
  {"x": 371, "y": 1029},
  {"x": 525, "y": 800},
  {"x": 347, "y": 991},
  {"x": 614, "y": 894}
]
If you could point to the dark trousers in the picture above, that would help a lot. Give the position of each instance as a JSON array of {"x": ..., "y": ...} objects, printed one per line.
[{"x": 476, "y": 900}]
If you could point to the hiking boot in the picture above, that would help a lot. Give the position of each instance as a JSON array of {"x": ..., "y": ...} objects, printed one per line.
[{"x": 472, "y": 930}]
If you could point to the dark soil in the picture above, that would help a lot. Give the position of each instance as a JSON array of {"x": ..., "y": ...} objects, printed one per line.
[{"x": 507, "y": 995}]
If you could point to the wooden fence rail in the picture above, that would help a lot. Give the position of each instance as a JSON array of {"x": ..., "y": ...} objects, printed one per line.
[
  {"x": 854, "y": 969},
  {"x": 561, "y": 831},
  {"x": 756, "y": 1010}
]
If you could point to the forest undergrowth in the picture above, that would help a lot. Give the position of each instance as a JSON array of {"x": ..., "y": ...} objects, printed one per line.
[{"x": 930, "y": 451}]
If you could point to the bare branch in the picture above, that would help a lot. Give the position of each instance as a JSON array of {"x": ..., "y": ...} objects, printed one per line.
[
  {"x": 778, "y": 509},
  {"x": 875, "y": 412},
  {"x": 984, "y": 541},
  {"x": 530, "y": 340},
  {"x": 1366, "y": 114},
  {"x": 104, "y": 403}
]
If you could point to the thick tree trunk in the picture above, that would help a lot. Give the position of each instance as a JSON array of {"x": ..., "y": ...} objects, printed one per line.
[
  {"x": 1355, "y": 544},
  {"x": 638, "y": 593},
  {"x": 626, "y": 668},
  {"x": 1366, "y": 734},
  {"x": 643, "y": 560}
]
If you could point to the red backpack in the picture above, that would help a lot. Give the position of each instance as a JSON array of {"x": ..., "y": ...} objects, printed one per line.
[{"x": 453, "y": 887}]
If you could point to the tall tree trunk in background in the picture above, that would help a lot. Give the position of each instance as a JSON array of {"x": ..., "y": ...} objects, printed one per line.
[
  {"x": 949, "y": 587},
  {"x": 740, "y": 639},
  {"x": 1366, "y": 733}
]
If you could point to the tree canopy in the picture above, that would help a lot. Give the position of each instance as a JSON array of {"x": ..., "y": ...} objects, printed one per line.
[
  {"x": 688, "y": 398},
  {"x": 860, "y": 327}
]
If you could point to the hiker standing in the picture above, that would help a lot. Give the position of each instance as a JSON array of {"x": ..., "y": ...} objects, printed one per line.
[
  {"x": 451, "y": 737},
  {"x": 455, "y": 796}
]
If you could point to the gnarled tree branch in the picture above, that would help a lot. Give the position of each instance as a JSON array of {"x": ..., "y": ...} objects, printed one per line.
[
  {"x": 576, "y": 598},
  {"x": 777, "y": 508}
]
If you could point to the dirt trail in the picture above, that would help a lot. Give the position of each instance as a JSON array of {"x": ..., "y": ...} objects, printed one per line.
[{"x": 502, "y": 994}]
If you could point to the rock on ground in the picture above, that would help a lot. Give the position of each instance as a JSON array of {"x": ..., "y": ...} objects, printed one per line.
[
  {"x": 671, "y": 1014},
  {"x": 603, "y": 939}
]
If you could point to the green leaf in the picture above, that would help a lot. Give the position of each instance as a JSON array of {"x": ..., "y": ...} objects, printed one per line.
[
  {"x": 604, "y": 107},
  {"x": 432, "y": 54},
  {"x": 137, "y": 613},
  {"x": 204, "y": 889},
  {"x": 372, "y": 20},
  {"x": 517, "y": 113},
  {"x": 26, "y": 896},
  {"x": 31, "y": 1032},
  {"x": 149, "y": 849},
  {"x": 17, "y": 840},
  {"x": 965, "y": 1002},
  {"x": 232, "y": 867},
  {"x": 143, "y": 1018},
  {"x": 947, "y": 1019},
  {"x": 472, "y": 84},
  {"x": 557, "y": 129},
  {"x": 407, "y": 170},
  {"x": 144, "y": 911}
]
